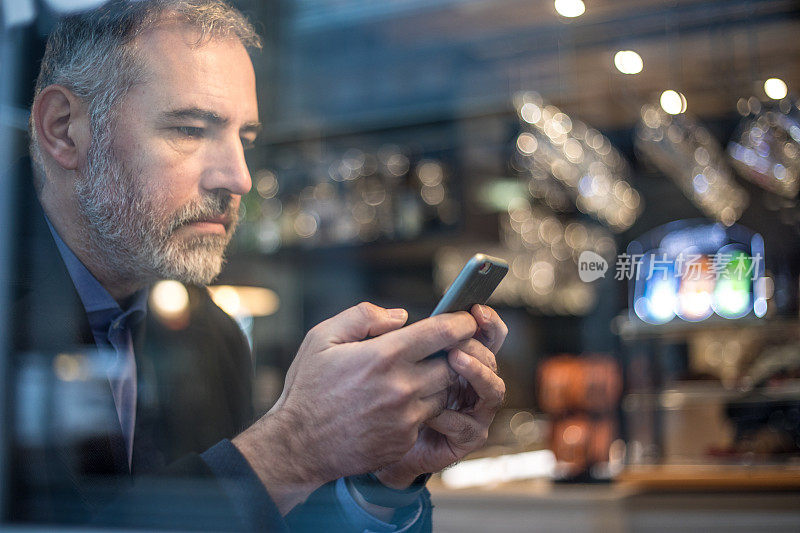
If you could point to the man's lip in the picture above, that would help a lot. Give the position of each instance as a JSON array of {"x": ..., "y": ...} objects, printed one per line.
[{"x": 225, "y": 221}]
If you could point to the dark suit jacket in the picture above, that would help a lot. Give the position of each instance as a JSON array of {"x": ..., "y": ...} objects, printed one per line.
[{"x": 194, "y": 390}]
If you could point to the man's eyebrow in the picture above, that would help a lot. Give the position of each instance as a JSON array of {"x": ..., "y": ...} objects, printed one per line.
[
  {"x": 209, "y": 116},
  {"x": 251, "y": 127},
  {"x": 195, "y": 113}
]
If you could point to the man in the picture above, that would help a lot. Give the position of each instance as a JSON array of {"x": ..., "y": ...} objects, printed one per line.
[{"x": 141, "y": 115}]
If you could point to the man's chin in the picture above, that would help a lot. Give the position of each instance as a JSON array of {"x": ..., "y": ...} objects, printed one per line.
[
  {"x": 195, "y": 274},
  {"x": 197, "y": 261}
]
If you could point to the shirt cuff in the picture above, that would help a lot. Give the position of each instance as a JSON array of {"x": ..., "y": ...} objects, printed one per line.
[
  {"x": 361, "y": 520},
  {"x": 242, "y": 486}
]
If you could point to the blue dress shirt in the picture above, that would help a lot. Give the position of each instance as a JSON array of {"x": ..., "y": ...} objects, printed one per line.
[{"x": 111, "y": 327}]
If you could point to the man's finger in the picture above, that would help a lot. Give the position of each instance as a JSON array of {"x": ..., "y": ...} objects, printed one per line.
[
  {"x": 492, "y": 330},
  {"x": 479, "y": 351},
  {"x": 356, "y": 324},
  {"x": 430, "y": 335},
  {"x": 432, "y": 406},
  {"x": 487, "y": 385},
  {"x": 432, "y": 376},
  {"x": 461, "y": 430}
]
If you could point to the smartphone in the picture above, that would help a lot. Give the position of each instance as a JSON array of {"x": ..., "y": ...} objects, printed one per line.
[{"x": 474, "y": 284}]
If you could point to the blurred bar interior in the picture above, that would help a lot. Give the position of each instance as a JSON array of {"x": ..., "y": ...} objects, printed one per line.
[{"x": 637, "y": 163}]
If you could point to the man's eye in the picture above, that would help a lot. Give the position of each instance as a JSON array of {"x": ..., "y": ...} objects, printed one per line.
[
  {"x": 248, "y": 144},
  {"x": 190, "y": 131}
]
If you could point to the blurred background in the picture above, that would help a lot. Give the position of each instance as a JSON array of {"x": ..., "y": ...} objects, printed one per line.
[{"x": 662, "y": 136}]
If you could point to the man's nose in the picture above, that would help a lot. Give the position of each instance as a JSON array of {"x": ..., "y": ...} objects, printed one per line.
[{"x": 228, "y": 169}]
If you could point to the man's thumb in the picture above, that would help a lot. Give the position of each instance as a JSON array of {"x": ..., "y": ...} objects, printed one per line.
[{"x": 361, "y": 321}]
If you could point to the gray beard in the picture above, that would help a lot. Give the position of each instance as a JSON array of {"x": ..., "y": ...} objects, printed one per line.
[{"x": 134, "y": 238}]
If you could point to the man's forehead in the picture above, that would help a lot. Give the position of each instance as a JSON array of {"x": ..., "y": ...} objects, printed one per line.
[{"x": 186, "y": 72}]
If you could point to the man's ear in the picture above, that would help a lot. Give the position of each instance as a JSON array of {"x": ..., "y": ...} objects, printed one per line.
[{"x": 62, "y": 125}]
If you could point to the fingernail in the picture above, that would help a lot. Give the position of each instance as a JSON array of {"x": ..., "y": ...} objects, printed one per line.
[
  {"x": 484, "y": 312},
  {"x": 462, "y": 360},
  {"x": 397, "y": 314}
]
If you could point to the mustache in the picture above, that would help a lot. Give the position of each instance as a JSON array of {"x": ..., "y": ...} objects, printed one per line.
[{"x": 210, "y": 206}]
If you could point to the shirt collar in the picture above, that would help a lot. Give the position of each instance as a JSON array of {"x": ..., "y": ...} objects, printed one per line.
[{"x": 101, "y": 308}]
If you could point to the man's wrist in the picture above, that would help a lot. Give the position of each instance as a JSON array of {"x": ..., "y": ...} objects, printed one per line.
[
  {"x": 396, "y": 477},
  {"x": 280, "y": 463}
]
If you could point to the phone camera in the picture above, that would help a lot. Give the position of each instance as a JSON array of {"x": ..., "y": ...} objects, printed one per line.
[{"x": 485, "y": 267}]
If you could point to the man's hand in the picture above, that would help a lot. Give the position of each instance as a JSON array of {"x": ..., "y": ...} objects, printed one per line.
[
  {"x": 352, "y": 405},
  {"x": 472, "y": 403}
]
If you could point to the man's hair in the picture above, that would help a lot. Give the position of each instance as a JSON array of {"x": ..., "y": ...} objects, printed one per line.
[{"x": 90, "y": 53}]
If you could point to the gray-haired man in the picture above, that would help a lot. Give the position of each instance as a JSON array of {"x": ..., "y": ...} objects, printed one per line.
[{"x": 140, "y": 119}]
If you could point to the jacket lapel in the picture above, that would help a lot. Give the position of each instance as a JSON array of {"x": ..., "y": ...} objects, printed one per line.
[{"x": 48, "y": 318}]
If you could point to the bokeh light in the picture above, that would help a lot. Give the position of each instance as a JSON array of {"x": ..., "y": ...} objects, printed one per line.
[
  {"x": 570, "y": 8},
  {"x": 169, "y": 298},
  {"x": 673, "y": 102},
  {"x": 775, "y": 88},
  {"x": 628, "y": 62}
]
